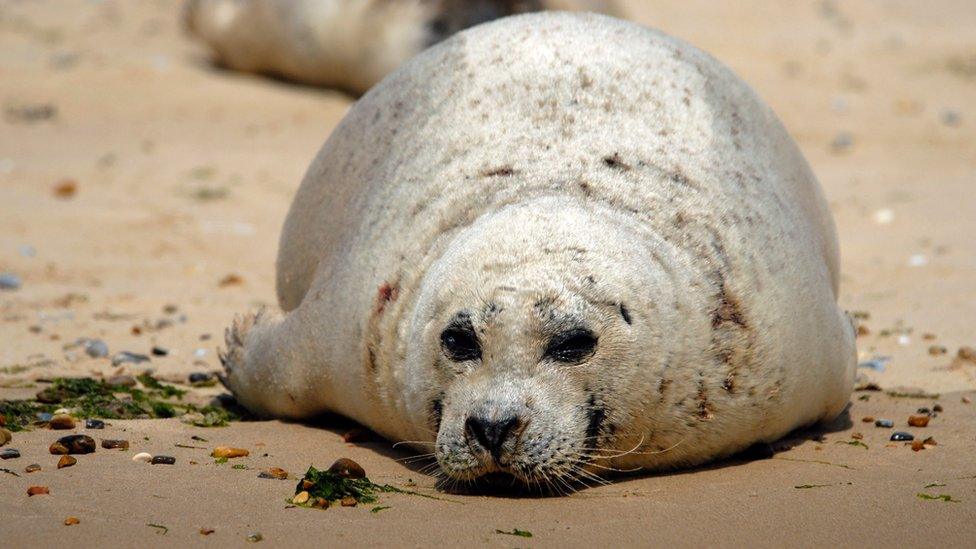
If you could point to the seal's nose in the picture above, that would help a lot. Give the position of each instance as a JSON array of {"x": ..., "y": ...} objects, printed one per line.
[{"x": 491, "y": 434}]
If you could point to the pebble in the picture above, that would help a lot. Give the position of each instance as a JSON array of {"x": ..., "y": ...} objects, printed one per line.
[
  {"x": 966, "y": 400},
  {"x": 71, "y": 521},
  {"x": 923, "y": 410},
  {"x": 94, "y": 424},
  {"x": 937, "y": 408},
  {"x": 9, "y": 281},
  {"x": 66, "y": 461},
  {"x": 200, "y": 377},
  {"x": 301, "y": 498},
  {"x": 206, "y": 531},
  {"x": 347, "y": 468},
  {"x": 74, "y": 444},
  {"x": 868, "y": 419},
  {"x": 883, "y": 216},
  {"x": 255, "y": 537},
  {"x": 901, "y": 436},
  {"x": 275, "y": 473},
  {"x": 951, "y": 118},
  {"x": 32, "y": 468},
  {"x": 37, "y": 490},
  {"x": 936, "y": 350},
  {"x": 163, "y": 460},
  {"x": 9, "y": 453},
  {"x": 113, "y": 444},
  {"x": 886, "y": 423},
  {"x": 228, "y": 452},
  {"x": 5, "y": 436},
  {"x": 142, "y": 456},
  {"x": 96, "y": 348},
  {"x": 917, "y": 445},
  {"x": 44, "y": 417},
  {"x": 122, "y": 381},
  {"x": 918, "y": 421},
  {"x": 966, "y": 353},
  {"x": 62, "y": 421},
  {"x": 321, "y": 503},
  {"x": 159, "y": 351},
  {"x": 348, "y": 501},
  {"x": 125, "y": 357},
  {"x": 857, "y": 436},
  {"x": 842, "y": 142}
]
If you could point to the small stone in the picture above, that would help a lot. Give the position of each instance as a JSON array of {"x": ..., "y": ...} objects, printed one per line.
[
  {"x": 918, "y": 445},
  {"x": 163, "y": 460},
  {"x": 206, "y": 531},
  {"x": 9, "y": 281},
  {"x": 228, "y": 452},
  {"x": 301, "y": 498},
  {"x": 863, "y": 330},
  {"x": 66, "y": 461},
  {"x": 857, "y": 436},
  {"x": 255, "y": 537},
  {"x": 842, "y": 142},
  {"x": 868, "y": 419},
  {"x": 10, "y": 453},
  {"x": 170, "y": 308},
  {"x": 60, "y": 411},
  {"x": 275, "y": 473},
  {"x": 200, "y": 377},
  {"x": 37, "y": 490},
  {"x": 901, "y": 436},
  {"x": 966, "y": 353},
  {"x": 966, "y": 400},
  {"x": 937, "y": 408},
  {"x": 321, "y": 503},
  {"x": 886, "y": 423},
  {"x": 5, "y": 436},
  {"x": 929, "y": 441},
  {"x": 121, "y": 381},
  {"x": 62, "y": 421},
  {"x": 347, "y": 468},
  {"x": 125, "y": 357},
  {"x": 142, "y": 456},
  {"x": 918, "y": 421},
  {"x": 159, "y": 351},
  {"x": 230, "y": 280},
  {"x": 71, "y": 521},
  {"x": 32, "y": 468},
  {"x": 951, "y": 118},
  {"x": 94, "y": 424},
  {"x": 113, "y": 444},
  {"x": 66, "y": 188},
  {"x": 936, "y": 350},
  {"x": 57, "y": 448},
  {"x": 76, "y": 444},
  {"x": 923, "y": 410},
  {"x": 96, "y": 348},
  {"x": 348, "y": 501}
]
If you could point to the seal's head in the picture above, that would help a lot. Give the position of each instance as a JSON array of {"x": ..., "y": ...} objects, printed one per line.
[{"x": 534, "y": 326}]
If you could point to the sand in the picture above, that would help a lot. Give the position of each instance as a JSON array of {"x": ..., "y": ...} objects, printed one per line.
[{"x": 183, "y": 174}]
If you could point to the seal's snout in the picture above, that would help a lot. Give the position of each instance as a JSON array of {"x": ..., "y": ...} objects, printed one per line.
[{"x": 492, "y": 435}]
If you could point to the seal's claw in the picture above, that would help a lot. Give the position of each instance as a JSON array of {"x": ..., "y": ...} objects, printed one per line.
[{"x": 235, "y": 338}]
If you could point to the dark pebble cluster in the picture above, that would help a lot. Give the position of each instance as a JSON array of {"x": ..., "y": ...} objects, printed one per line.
[{"x": 163, "y": 460}]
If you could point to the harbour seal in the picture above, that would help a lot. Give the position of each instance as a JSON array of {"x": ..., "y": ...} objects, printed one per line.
[
  {"x": 347, "y": 44},
  {"x": 553, "y": 245}
]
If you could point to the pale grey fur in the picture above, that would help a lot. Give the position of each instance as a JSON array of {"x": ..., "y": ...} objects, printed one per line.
[
  {"x": 542, "y": 171},
  {"x": 349, "y": 44}
]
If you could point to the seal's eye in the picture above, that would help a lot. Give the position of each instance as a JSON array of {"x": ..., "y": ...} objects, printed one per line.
[
  {"x": 572, "y": 346},
  {"x": 460, "y": 344}
]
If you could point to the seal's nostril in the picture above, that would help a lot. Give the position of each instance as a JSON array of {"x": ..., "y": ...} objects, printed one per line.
[{"x": 491, "y": 434}]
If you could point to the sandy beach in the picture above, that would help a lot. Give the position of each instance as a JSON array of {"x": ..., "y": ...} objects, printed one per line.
[{"x": 142, "y": 193}]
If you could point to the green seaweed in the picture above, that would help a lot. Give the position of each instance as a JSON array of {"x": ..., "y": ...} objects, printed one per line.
[
  {"x": 806, "y": 486},
  {"x": 93, "y": 398},
  {"x": 515, "y": 532},
  {"x": 160, "y": 529},
  {"x": 332, "y": 487},
  {"x": 917, "y": 394},
  {"x": 379, "y": 508},
  {"x": 935, "y": 485},
  {"x": 942, "y": 497},
  {"x": 853, "y": 443}
]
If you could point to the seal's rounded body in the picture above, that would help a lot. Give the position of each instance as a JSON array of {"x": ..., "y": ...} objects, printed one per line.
[
  {"x": 555, "y": 243},
  {"x": 349, "y": 44}
]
